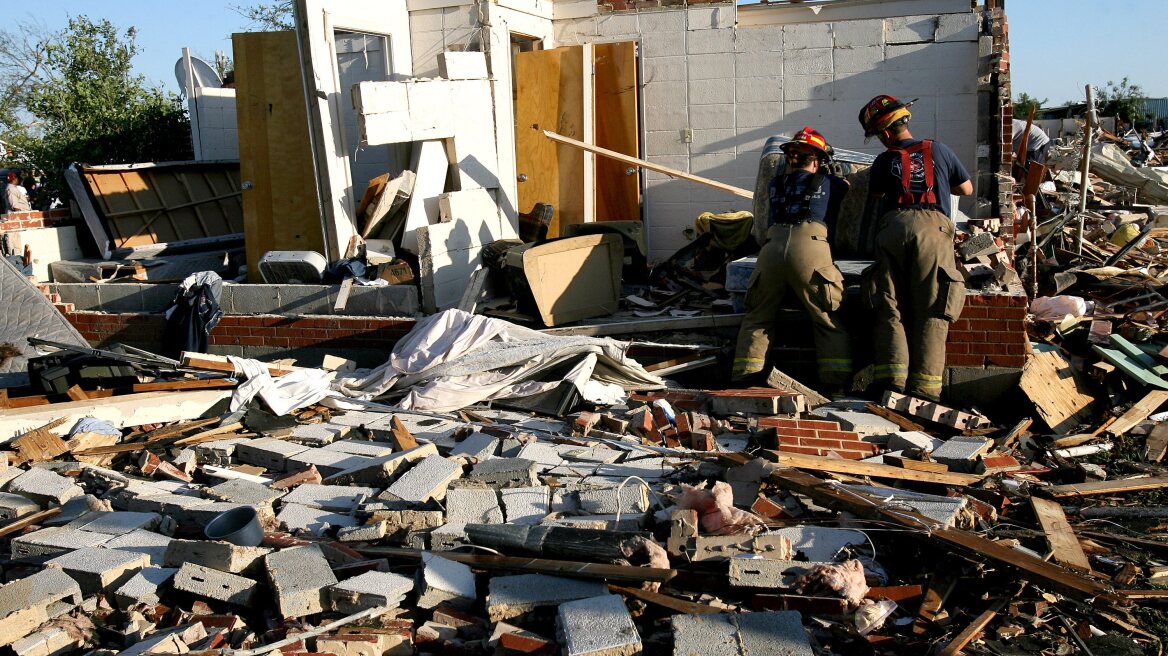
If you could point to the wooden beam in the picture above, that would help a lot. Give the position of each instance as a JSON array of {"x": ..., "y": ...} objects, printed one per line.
[
  {"x": 857, "y": 468},
  {"x": 403, "y": 439},
  {"x": 673, "y": 173},
  {"x": 895, "y": 417},
  {"x": 665, "y": 601},
  {"x": 568, "y": 568},
  {"x": 28, "y": 520},
  {"x": 1157, "y": 443},
  {"x": 1139, "y": 412},
  {"x": 941, "y": 585},
  {"x": 220, "y": 363},
  {"x": 1064, "y": 544},
  {"x": 969, "y": 633},
  {"x": 75, "y": 393},
  {"x": 1108, "y": 487}
]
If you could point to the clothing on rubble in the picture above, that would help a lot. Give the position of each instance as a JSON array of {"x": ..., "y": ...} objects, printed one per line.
[
  {"x": 193, "y": 314},
  {"x": 729, "y": 230}
]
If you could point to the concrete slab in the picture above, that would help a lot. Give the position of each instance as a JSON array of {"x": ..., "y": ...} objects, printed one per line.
[
  {"x": 246, "y": 492},
  {"x": 512, "y": 596},
  {"x": 369, "y": 590},
  {"x": 213, "y": 584},
  {"x": 337, "y": 498},
  {"x": 443, "y": 581},
  {"x": 223, "y": 556},
  {"x": 597, "y": 626},
  {"x": 144, "y": 587},
  {"x": 864, "y": 423},
  {"x": 148, "y": 543},
  {"x": 426, "y": 480},
  {"x": 96, "y": 569},
  {"x": 295, "y": 517},
  {"x": 327, "y": 462},
  {"x": 526, "y": 505},
  {"x": 506, "y": 472},
  {"x": 299, "y": 577},
  {"x": 45, "y": 487},
  {"x": 470, "y": 505}
]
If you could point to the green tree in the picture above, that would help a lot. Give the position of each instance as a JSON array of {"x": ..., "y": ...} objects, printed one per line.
[
  {"x": 89, "y": 108},
  {"x": 1125, "y": 100},
  {"x": 274, "y": 16},
  {"x": 1025, "y": 103}
]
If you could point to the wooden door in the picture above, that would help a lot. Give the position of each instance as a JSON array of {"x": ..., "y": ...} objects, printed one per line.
[
  {"x": 618, "y": 187},
  {"x": 280, "y": 210},
  {"x": 549, "y": 95}
]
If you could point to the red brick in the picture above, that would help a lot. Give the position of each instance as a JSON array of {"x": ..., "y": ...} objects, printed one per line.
[
  {"x": 850, "y": 455},
  {"x": 838, "y": 435},
  {"x": 800, "y": 433},
  {"x": 978, "y": 312},
  {"x": 778, "y": 422},
  {"x": 1015, "y": 361},
  {"x": 767, "y": 508},
  {"x": 800, "y": 450},
  {"x": 1018, "y": 313},
  {"x": 967, "y": 360},
  {"x": 956, "y": 347},
  {"x": 817, "y": 442},
  {"x": 818, "y": 424}
]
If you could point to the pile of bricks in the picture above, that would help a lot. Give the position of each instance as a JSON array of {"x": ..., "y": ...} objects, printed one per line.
[{"x": 818, "y": 438}]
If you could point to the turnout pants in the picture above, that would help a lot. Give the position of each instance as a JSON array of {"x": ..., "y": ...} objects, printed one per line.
[
  {"x": 916, "y": 291},
  {"x": 796, "y": 259}
]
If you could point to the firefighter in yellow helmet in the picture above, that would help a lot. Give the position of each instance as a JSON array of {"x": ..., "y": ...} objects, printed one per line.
[
  {"x": 804, "y": 203},
  {"x": 914, "y": 286}
]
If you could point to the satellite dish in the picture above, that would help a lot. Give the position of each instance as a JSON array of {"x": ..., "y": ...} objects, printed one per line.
[{"x": 204, "y": 75}]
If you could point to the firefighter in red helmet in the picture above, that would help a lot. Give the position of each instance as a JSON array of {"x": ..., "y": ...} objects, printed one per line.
[
  {"x": 914, "y": 286},
  {"x": 796, "y": 258}
]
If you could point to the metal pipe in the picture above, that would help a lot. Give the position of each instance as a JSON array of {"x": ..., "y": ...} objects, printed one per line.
[{"x": 1089, "y": 132}]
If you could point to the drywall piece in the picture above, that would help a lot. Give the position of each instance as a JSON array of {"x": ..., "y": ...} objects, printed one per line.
[
  {"x": 506, "y": 472},
  {"x": 269, "y": 453},
  {"x": 369, "y": 590},
  {"x": 98, "y": 569},
  {"x": 338, "y": 498},
  {"x": 45, "y": 487},
  {"x": 319, "y": 24},
  {"x": 443, "y": 581},
  {"x": 864, "y": 423},
  {"x": 526, "y": 505},
  {"x": 383, "y": 470},
  {"x": 426, "y": 480},
  {"x": 295, "y": 517},
  {"x": 430, "y": 163},
  {"x": 299, "y": 576},
  {"x": 512, "y": 596},
  {"x": 213, "y": 584},
  {"x": 121, "y": 411},
  {"x": 462, "y": 65},
  {"x": 326, "y": 462},
  {"x": 223, "y": 556},
  {"x": 144, "y": 587},
  {"x": 120, "y": 522},
  {"x": 469, "y": 505},
  {"x": 479, "y": 446},
  {"x": 820, "y": 543},
  {"x": 767, "y": 573},
  {"x": 245, "y": 492},
  {"x": 47, "y": 543},
  {"x": 597, "y": 626},
  {"x": 631, "y": 499}
]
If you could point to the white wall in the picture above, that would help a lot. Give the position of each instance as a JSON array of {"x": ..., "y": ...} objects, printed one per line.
[{"x": 214, "y": 129}]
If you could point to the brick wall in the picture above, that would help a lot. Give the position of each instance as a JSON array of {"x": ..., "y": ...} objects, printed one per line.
[
  {"x": 814, "y": 437},
  {"x": 30, "y": 220},
  {"x": 990, "y": 333}
]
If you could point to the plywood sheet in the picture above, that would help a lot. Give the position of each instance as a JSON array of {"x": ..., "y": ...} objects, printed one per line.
[
  {"x": 1050, "y": 383},
  {"x": 281, "y": 211},
  {"x": 618, "y": 194},
  {"x": 549, "y": 95}
]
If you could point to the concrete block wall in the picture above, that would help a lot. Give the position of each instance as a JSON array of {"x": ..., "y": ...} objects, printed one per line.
[
  {"x": 712, "y": 92},
  {"x": 216, "y": 135}
]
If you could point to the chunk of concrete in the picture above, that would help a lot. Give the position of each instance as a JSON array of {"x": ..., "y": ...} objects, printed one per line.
[
  {"x": 245, "y": 492},
  {"x": 300, "y": 577},
  {"x": 526, "y": 505},
  {"x": 13, "y": 506},
  {"x": 338, "y": 498},
  {"x": 223, "y": 556},
  {"x": 97, "y": 569},
  {"x": 943, "y": 510},
  {"x": 767, "y": 573},
  {"x": 45, "y": 487},
  {"x": 597, "y": 626},
  {"x": 318, "y": 435},
  {"x": 120, "y": 522},
  {"x": 220, "y": 452},
  {"x": 865, "y": 424},
  {"x": 544, "y": 455},
  {"x": 327, "y": 462},
  {"x": 705, "y": 635},
  {"x": 426, "y": 480},
  {"x": 820, "y": 543},
  {"x": 471, "y": 505},
  {"x": 144, "y": 587},
  {"x": 383, "y": 470},
  {"x": 148, "y": 543},
  {"x": 479, "y": 446},
  {"x": 369, "y": 590},
  {"x": 47, "y": 543},
  {"x": 506, "y": 472},
  {"x": 960, "y": 453},
  {"x": 365, "y": 448},
  {"x": 214, "y": 584},
  {"x": 269, "y": 453},
  {"x": 364, "y": 533},
  {"x": 442, "y": 581},
  {"x": 632, "y": 498},
  {"x": 512, "y": 596},
  {"x": 51, "y": 641},
  {"x": 769, "y": 633},
  {"x": 901, "y": 440},
  {"x": 295, "y": 517}
]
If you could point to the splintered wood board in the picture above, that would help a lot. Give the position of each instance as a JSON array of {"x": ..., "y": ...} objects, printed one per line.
[
  {"x": 1108, "y": 487},
  {"x": 1059, "y": 534},
  {"x": 1050, "y": 383},
  {"x": 1139, "y": 412}
]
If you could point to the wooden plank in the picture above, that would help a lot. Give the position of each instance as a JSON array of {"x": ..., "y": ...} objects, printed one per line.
[
  {"x": 1157, "y": 443},
  {"x": 970, "y": 633},
  {"x": 1131, "y": 367},
  {"x": 567, "y": 568},
  {"x": 895, "y": 417},
  {"x": 40, "y": 444},
  {"x": 857, "y": 468},
  {"x": 220, "y": 363},
  {"x": 941, "y": 585},
  {"x": 918, "y": 465},
  {"x": 549, "y": 174},
  {"x": 28, "y": 520},
  {"x": 779, "y": 380},
  {"x": 1051, "y": 384},
  {"x": 618, "y": 195},
  {"x": 403, "y": 440},
  {"x": 1139, "y": 412},
  {"x": 1138, "y": 354},
  {"x": 1108, "y": 487},
  {"x": 871, "y": 507},
  {"x": 75, "y": 393},
  {"x": 665, "y": 601},
  {"x": 280, "y": 210},
  {"x": 1011, "y": 437},
  {"x": 1059, "y": 535}
]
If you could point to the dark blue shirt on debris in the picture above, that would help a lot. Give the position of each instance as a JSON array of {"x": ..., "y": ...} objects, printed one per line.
[
  {"x": 948, "y": 172},
  {"x": 786, "y": 203}
]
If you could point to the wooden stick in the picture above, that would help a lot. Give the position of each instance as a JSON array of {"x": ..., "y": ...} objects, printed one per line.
[
  {"x": 1064, "y": 544},
  {"x": 856, "y": 468},
  {"x": 665, "y": 601},
  {"x": 673, "y": 173},
  {"x": 28, "y": 520},
  {"x": 1108, "y": 487},
  {"x": 895, "y": 417}
]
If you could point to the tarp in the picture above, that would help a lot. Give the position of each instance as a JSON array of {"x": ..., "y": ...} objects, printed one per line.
[
  {"x": 454, "y": 359},
  {"x": 27, "y": 313}
]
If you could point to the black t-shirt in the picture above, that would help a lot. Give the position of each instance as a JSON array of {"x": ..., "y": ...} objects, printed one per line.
[
  {"x": 786, "y": 204},
  {"x": 948, "y": 172}
]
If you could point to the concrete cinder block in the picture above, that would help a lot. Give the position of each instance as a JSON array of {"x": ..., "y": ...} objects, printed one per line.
[
  {"x": 364, "y": 533},
  {"x": 382, "y": 471},
  {"x": 709, "y": 66},
  {"x": 767, "y": 38},
  {"x": 470, "y": 505},
  {"x": 300, "y": 577},
  {"x": 327, "y": 462},
  {"x": 479, "y": 446},
  {"x": 47, "y": 642},
  {"x": 243, "y": 492},
  {"x": 47, "y": 543},
  {"x": 773, "y": 633},
  {"x": 710, "y": 17},
  {"x": 148, "y": 543},
  {"x": 812, "y": 61},
  {"x": 426, "y": 480},
  {"x": 295, "y": 517},
  {"x": 213, "y": 584},
  {"x": 758, "y": 89},
  {"x": 901, "y": 440},
  {"x": 13, "y": 506},
  {"x": 711, "y": 92},
  {"x": 144, "y": 587},
  {"x": 361, "y": 448},
  {"x": 858, "y": 59},
  {"x": 863, "y": 423},
  {"x": 960, "y": 453},
  {"x": 269, "y": 453},
  {"x": 816, "y": 88},
  {"x": 664, "y": 21},
  {"x": 442, "y": 581},
  {"x": 857, "y": 34},
  {"x": 807, "y": 35},
  {"x": 665, "y": 69},
  {"x": 120, "y": 522},
  {"x": 462, "y": 65},
  {"x": 910, "y": 29},
  {"x": 317, "y": 435},
  {"x": 98, "y": 569},
  {"x": 526, "y": 505},
  {"x": 512, "y": 596},
  {"x": 223, "y": 556},
  {"x": 632, "y": 499},
  {"x": 369, "y": 590},
  {"x": 45, "y": 487},
  {"x": 597, "y": 626},
  {"x": 767, "y": 573},
  {"x": 337, "y": 498}
]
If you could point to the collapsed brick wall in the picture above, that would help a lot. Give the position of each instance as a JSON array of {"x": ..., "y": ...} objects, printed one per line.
[
  {"x": 995, "y": 120},
  {"x": 32, "y": 220},
  {"x": 990, "y": 333},
  {"x": 815, "y": 437}
]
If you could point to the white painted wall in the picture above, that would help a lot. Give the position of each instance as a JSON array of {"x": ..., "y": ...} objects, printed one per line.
[{"x": 214, "y": 129}]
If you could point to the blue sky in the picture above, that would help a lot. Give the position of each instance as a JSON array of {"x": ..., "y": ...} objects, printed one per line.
[{"x": 1056, "y": 47}]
